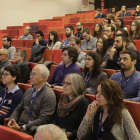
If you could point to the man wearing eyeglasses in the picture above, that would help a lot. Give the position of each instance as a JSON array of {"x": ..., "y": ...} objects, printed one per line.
[
  {"x": 7, "y": 44},
  {"x": 38, "y": 104},
  {"x": 39, "y": 46},
  {"x": 109, "y": 35},
  {"x": 4, "y": 59},
  {"x": 120, "y": 45}
]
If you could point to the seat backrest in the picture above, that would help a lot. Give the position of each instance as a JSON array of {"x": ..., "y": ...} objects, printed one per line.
[
  {"x": 109, "y": 72},
  {"x": 7, "y": 133},
  {"x": 57, "y": 55},
  {"x": 14, "y": 32},
  {"x": 24, "y": 87},
  {"x": 18, "y": 43},
  {"x": 34, "y": 28},
  {"x": 32, "y": 65},
  {"x": 48, "y": 55},
  {"x": 58, "y": 94},
  {"x": 52, "y": 70},
  {"x": 43, "y": 28},
  {"x": 90, "y": 97},
  {"x": 29, "y": 43},
  {"x": 134, "y": 109},
  {"x": 137, "y": 42}
]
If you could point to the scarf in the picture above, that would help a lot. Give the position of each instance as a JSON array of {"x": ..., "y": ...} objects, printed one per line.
[
  {"x": 111, "y": 40},
  {"x": 65, "y": 105},
  {"x": 20, "y": 65}
]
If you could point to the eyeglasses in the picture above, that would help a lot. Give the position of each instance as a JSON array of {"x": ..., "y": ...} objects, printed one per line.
[
  {"x": 107, "y": 30},
  {"x": 2, "y": 54},
  {"x": 5, "y": 74},
  {"x": 34, "y": 74},
  {"x": 88, "y": 59},
  {"x": 37, "y": 36},
  {"x": 132, "y": 25},
  {"x": 66, "y": 83},
  {"x": 16, "y": 55}
]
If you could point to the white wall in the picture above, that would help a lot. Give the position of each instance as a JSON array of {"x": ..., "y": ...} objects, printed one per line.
[{"x": 17, "y": 12}]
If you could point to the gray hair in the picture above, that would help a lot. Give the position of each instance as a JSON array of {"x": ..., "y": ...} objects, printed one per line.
[
  {"x": 28, "y": 28},
  {"x": 43, "y": 70},
  {"x": 56, "y": 132},
  {"x": 23, "y": 54},
  {"x": 5, "y": 51},
  {"x": 77, "y": 82}
]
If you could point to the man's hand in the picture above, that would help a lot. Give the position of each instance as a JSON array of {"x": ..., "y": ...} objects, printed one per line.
[
  {"x": 36, "y": 41},
  {"x": 105, "y": 36},
  {"x": 12, "y": 124},
  {"x": 112, "y": 52}
]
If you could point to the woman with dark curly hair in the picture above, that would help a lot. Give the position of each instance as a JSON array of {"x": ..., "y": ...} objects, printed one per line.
[
  {"x": 106, "y": 117},
  {"x": 93, "y": 72},
  {"x": 97, "y": 30}
]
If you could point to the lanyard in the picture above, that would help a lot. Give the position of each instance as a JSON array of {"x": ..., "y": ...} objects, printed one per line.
[
  {"x": 67, "y": 69},
  {"x": 59, "y": 119},
  {"x": 126, "y": 80},
  {"x": 100, "y": 126},
  {"x": 52, "y": 46},
  {"x": 67, "y": 41},
  {"x": 86, "y": 78},
  {"x": 89, "y": 43},
  {"x": 3, "y": 100},
  {"x": 32, "y": 99}
]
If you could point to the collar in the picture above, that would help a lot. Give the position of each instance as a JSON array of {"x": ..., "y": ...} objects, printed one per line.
[
  {"x": 13, "y": 90},
  {"x": 122, "y": 71},
  {"x": 8, "y": 47},
  {"x": 33, "y": 89}
]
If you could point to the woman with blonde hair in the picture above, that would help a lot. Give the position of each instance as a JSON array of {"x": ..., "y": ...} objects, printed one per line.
[
  {"x": 106, "y": 117},
  {"x": 72, "y": 105}
]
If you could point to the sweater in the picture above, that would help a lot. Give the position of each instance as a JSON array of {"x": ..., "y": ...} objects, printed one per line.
[
  {"x": 26, "y": 37},
  {"x": 72, "y": 121},
  {"x": 4, "y": 64},
  {"x": 125, "y": 131},
  {"x": 43, "y": 108},
  {"x": 11, "y": 101},
  {"x": 54, "y": 46}
]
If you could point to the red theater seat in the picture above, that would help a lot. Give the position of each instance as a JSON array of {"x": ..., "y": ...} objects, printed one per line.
[
  {"x": 32, "y": 65},
  {"x": 7, "y": 133},
  {"x": 28, "y": 43},
  {"x": 109, "y": 72},
  {"x": 59, "y": 23},
  {"x": 74, "y": 20},
  {"x": 48, "y": 55},
  {"x": 58, "y": 94},
  {"x": 24, "y": 87},
  {"x": 43, "y": 28},
  {"x": 14, "y": 32},
  {"x": 18, "y": 43},
  {"x": 137, "y": 42},
  {"x": 57, "y": 55},
  {"x": 90, "y": 97}
]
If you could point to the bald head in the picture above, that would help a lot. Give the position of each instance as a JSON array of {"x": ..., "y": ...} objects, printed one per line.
[
  {"x": 3, "y": 54},
  {"x": 27, "y": 30}
]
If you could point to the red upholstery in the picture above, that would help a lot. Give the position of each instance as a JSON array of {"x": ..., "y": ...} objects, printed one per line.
[
  {"x": 43, "y": 28},
  {"x": 58, "y": 94},
  {"x": 109, "y": 72},
  {"x": 18, "y": 43},
  {"x": 57, "y": 55},
  {"x": 7, "y": 133},
  {"x": 90, "y": 97},
  {"x": 74, "y": 19},
  {"x": 46, "y": 36},
  {"x": 52, "y": 70},
  {"x": 28, "y": 43},
  {"x": 13, "y": 62},
  {"x": 133, "y": 108},
  {"x": 59, "y": 23},
  {"x": 14, "y": 32},
  {"x": 137, "y": 42},
  {"x": 24, "y": 87},
  {"x": 127, "y": 22},
  {"x": 32, "y": 65},
  {"x": 48, "y": 55}
]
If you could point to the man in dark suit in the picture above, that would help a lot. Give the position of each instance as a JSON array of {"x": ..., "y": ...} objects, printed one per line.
[
  {"x": 123, "y": 12},
  {"x": 99, "y": 14}
]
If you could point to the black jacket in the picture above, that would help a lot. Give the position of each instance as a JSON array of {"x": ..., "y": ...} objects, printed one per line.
[
  {"x": 101, "y": 16},
  {"x": 114, "y": 64}
]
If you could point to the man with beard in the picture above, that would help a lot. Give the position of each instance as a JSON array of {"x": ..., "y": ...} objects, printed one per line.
[
  {"x": 7, "y": 44},
  {"x": 128, "y": 78},
  {"x": 89, "y": 42},
  {"x": 120, "y": 45},
  {"x": 80, "y": 27},
  {"x": 69, "y": 32}
]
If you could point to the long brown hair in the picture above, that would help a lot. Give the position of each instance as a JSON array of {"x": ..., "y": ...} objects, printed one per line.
[
  {"x": 100, "y": 31},
  {"x": 137, "y": 30},
  {"x": 112, "y": 92}
]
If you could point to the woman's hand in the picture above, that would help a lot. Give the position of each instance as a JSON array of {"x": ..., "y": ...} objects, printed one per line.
[{"x": 91, "y": 109}]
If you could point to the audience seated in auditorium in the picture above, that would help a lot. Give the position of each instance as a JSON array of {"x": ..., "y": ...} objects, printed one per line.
[
  {"x": 69, "y": 58},
  {"x": 128, "y": 78},
  {"x": 123, "y": 12},
  {"x": 134, "y": 32},
  {"x": 80, "y": 27},
  {"x": 4, "y": 59},
  {"x": 137, "y": 18},
  {"x": 121, "y": 23},
  {"x": 76, "y": 43},
  {"x": 137, "y": 12},
  {"x": 116, "y": 25},
  {"x": 114, "y": 9},
  {"x": 1, "y": 84},
  {"x": 53, "y": 42},
  {"x": 38, "y": 104},
  {"x": 99, "y": 14},
  {"x": 130, "y": 42},
  {"x": 93, "y": 74},
  {"x": 109, "y": 35},
  {"x": 72, "y": 105},
  {"x": 27, "y": 35},
  {"x": 39, "y": 46},
  {"x": 120, "y": 45},
  {"x": 106, "y": 22},
  {"x": 50, "y": 132},
  {"x": 102, "y": 50},
  {"x": 106, "y": 117},
  {"x": 112, "y": 17},
  {"x": 7, "y": 44},
  {"x": 69, "y": 32},
  {"x": 22, "y": 65},
  {"x": 97, "y": 30},
  {"x": 11, "y": 95},
  {"x": 89, "y": 42}
]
